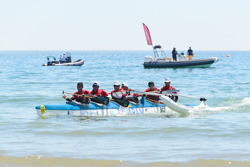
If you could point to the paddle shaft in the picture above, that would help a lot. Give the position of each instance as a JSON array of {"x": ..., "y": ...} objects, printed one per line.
[
  {"x": 155, "y": 94},
  {"x": 80, "y": 95},
  {"x": 84, "y": 95},
  {"x": 155, "y": 101}
]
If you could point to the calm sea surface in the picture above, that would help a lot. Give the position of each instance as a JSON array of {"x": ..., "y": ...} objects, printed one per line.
[{"x": 220, "y": 137}]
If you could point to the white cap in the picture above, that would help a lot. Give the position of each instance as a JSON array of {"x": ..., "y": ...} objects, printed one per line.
[
  {"x": 124, "y": 84},
  {"x": 167, "y": 80},
  {"x": 116, "y": 83},
  {"x": 96, "y": 83}
]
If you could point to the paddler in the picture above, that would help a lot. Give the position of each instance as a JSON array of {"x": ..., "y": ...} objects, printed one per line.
[
  {"x": 117, "y": 92},
  {"x": 125, "y": 86},
  {"x": 81, "y": 92},
  {"x": 96, "y": 91},
  {"x": 99, "y": 95},
  {"x": 167, "y": 86},
  {"x": 152, "y": 88},
  {"x": 127, "y": 95}
]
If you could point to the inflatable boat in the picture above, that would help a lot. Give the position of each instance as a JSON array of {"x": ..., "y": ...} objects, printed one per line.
[
  {"x": 51, "y": 61},
  {"x": 58, "y": 63},
  {"x": 162, "y": 61}
]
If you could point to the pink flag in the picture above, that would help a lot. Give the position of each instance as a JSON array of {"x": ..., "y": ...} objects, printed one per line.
[{"x": 148, "y": 37}]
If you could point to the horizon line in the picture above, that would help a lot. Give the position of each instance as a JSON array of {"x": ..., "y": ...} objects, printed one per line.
[{"x": 116, "y": 50}]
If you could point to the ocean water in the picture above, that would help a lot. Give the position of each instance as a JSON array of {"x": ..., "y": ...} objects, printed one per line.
[{"x": 220, "y": 137}]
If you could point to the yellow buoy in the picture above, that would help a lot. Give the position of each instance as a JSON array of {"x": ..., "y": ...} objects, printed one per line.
[
  {"x": 42, "y": 109},
  {"x": 228, "y": 55}
]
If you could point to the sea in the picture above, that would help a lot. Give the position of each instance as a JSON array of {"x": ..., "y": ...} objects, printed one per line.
[{"x": 218, "y": 137}]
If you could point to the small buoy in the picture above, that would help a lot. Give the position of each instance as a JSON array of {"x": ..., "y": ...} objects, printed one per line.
[{"x": 228, "y": 55}]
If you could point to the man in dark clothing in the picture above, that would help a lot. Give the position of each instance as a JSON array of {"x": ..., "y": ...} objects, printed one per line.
[
  {"x": 190, "y": 53},
  {"x": 174, "y": 54}
]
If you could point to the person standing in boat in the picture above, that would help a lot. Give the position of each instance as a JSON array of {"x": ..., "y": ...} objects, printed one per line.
[
  {"x": 127, "y": 95},
  {"x": 168, "y": 87},
  {"x": 152, "y": 88},
  {"x": 190, "y": 53},
  {"x": 117, "y": 92},
  {"x": 80, "y": 92},
  {"x": 98, "y": 92},
  {"x": 174, "y": 54}
]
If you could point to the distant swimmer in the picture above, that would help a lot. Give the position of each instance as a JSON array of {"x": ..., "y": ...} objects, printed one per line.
[
  {"x": 81, "y": 92},
  {"x": 190, "y": 53}
]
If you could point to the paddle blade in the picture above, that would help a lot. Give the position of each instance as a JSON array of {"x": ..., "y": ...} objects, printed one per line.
[
  {"x": 102, "y": 100},
  {"x": 124, "y": 103}
]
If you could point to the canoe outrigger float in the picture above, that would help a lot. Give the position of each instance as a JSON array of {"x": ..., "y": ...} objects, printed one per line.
[{"x": 115, "y": 109}]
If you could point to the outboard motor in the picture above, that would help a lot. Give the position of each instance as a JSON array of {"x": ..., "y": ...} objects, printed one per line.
[{"x": 148, "y": 58}]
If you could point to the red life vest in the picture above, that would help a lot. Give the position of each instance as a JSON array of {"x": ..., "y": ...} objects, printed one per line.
[
  {"x": 99, "y": 92},
  {"x": 148, "y": 89},
  {"x": 156, "y": 98},
  {"x": 167, "y": 88},
  {"x": 81, "y": 98}
]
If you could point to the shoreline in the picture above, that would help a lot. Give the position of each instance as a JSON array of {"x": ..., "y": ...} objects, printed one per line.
[{"x": 39, "y": 160}]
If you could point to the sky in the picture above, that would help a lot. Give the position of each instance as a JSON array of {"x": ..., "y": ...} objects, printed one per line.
[{"x": 117, "y": 24}]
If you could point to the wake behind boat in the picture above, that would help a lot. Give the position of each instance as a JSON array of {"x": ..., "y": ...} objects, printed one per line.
[
  {"x": 160, "y": 59},
  {"x": 65, "y": 60}
]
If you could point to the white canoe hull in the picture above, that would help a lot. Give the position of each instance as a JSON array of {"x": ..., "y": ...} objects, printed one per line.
[
  {"x": 94, "y": 109},
  {"x": 121, "y": 111}
]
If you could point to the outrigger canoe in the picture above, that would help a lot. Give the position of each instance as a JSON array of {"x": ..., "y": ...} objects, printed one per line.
[{"x": 115, "y": 109}]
